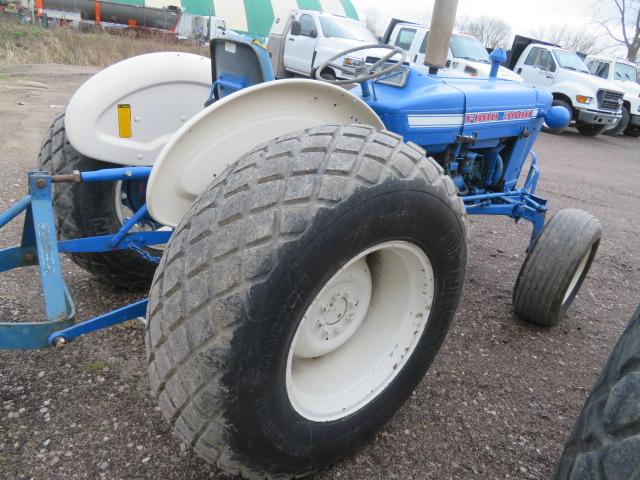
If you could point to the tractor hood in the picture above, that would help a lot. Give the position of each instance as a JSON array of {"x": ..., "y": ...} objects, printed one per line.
[{"x": 433, "y": 111}]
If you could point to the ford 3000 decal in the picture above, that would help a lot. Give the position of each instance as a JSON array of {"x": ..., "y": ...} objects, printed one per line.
[{"x": 501, "y": 116}]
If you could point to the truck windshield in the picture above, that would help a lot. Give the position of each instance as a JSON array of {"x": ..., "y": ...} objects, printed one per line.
[
  {"x": 622, "y": 71},
  {"x": 570, "y": 61},
  {"x": 468, "y": 48},
  {"x": 333, "y": 27}
]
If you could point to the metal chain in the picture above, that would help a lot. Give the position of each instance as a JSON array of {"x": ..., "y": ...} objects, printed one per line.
[{"x": 143, "y": 253}]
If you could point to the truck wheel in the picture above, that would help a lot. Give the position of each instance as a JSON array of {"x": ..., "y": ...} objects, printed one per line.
[
  {"x": 556, "y": 266},
  {"x": 303, "y": 297},
  {"x": 558, "y": 103},
  {"x": 85, "y": 210},
  {"x": 622, "y": 124},
  {"x": 605, "y": 441},
  {"x": 632, "y": 131},
  {"x": 591, "y": 130}
]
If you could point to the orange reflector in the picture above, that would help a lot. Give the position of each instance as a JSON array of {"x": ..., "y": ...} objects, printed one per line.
[{"x": 124, "y": 121}]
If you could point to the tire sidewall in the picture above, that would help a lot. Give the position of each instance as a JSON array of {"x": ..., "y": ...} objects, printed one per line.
[{"x": 260, "y": 411}]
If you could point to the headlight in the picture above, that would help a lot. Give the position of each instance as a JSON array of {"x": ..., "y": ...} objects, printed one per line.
[
  {"x": 353, "y": 62},
  {"x": 471, "y": 71},
  {"x": 583, "y": 99}
]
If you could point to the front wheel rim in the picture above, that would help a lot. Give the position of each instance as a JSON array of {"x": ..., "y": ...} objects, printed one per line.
[
  {"x": 360, "y": 331},
  {"x": 577, "y": 276}
]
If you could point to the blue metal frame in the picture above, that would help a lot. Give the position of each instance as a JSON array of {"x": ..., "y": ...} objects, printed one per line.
[
  {"x": 516, "y": 203},
  {"x": 40, "y": 246}
]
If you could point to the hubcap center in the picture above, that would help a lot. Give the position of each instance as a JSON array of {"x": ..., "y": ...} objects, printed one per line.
[{"x": 336, "y": 311}]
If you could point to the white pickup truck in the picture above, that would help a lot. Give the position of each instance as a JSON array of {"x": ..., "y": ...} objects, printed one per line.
[
  {"x": 594, "y": 103},
  {"x": 301, "y": 40},
  {"x": 466, "y": 53},
  {"x": 625, "y": 74}
]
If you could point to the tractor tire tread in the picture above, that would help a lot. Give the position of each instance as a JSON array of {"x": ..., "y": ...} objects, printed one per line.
[
  {"x": 57, "y": 156},
  {"x": 544, "y": 274},
  {"x": 272, "y": 198},
  {"x": 605, "y": 439}
]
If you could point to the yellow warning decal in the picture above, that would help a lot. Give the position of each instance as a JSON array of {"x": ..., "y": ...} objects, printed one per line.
[{"x": 124, "y": 121}]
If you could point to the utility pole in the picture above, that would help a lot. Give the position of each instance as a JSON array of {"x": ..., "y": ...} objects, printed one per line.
[{"x": 442, "y": 22}]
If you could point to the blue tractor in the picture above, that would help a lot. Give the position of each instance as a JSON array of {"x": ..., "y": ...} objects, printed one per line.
[{"x": 311, "y": 240}]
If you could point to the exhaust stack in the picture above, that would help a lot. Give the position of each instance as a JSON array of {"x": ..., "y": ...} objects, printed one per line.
[{"x": 444, "y": 17}]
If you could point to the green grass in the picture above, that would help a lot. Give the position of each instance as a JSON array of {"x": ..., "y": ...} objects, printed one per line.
[
  {"x": 95, "y": 366},
  {"x": 29, "y": 44}
]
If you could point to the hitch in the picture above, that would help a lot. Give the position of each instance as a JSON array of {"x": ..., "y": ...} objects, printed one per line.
[{"x": 40, "y": 245}]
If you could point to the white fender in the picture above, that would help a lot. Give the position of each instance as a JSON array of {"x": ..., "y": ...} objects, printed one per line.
[
  {"x": 163, "y": 90},
  {"x": 233, "y": 126}
]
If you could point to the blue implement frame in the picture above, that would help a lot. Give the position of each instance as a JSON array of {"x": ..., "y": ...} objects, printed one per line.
[
  {"x": 517, "y": 203},
  {"x": 40, "y": 246}
]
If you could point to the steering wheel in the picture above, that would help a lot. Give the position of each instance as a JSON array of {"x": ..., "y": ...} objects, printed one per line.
[{"x": 369, "y": 72}]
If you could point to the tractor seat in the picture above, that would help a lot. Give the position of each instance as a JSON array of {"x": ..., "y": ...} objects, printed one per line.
[{"x": 237, "y": 62}]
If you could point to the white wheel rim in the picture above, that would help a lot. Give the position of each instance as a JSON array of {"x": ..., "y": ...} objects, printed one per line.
[
  {"x": 124, "y": 213},
  {"x": 359, "y": 331},
  {"x": 576, "y": 276}
]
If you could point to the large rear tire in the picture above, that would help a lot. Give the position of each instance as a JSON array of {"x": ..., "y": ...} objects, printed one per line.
[
  {"x": 86, "y": 210},
  {"x": 605, "y": 441},
  {"x": 555, "y": 267},
  {"x": 303, "y": 297}
]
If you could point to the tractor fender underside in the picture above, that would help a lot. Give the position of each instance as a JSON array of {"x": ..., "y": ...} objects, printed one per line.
[
  {"x": 127, "y": 112},
  {"x": 226, "y": 130}
]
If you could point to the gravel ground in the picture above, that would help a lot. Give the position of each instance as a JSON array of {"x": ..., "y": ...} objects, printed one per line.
[{"x": 498, "y": 402}]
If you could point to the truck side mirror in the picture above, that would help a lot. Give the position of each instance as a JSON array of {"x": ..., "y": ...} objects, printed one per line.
[
  {"x": 296, "y": 28},
  {"x": 313, "y": 34}
]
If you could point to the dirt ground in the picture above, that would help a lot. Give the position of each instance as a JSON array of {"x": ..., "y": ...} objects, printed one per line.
[{"x": 498, "y": 402}]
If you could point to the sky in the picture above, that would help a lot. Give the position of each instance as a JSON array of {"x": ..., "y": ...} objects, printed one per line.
[{"x": 524, "y": 16}]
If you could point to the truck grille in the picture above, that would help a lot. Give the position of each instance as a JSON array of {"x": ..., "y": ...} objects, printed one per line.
[{"x": 608, "y": 100}]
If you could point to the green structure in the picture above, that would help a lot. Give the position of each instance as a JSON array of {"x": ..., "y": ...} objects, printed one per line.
[{"x": 248, "y": 16}]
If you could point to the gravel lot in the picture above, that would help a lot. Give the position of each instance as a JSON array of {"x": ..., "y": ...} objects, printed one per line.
[{"x": 498, "y": 402}]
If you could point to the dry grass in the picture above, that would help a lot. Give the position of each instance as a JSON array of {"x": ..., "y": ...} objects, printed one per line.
[{"x": 21, "y": 44}]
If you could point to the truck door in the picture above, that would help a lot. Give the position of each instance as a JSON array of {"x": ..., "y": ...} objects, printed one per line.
[
  {"x": 422, "y": 51},
  {"x": 538, "y": 68},
  {"x": 300, "y": 45},
  {"x": 405, "y": 39}
]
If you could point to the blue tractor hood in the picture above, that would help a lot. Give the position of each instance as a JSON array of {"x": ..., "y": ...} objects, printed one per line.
[{"x": 434, "y": 111}]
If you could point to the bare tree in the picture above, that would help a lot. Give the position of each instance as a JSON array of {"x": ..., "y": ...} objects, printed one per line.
[
  {"x": 621, "y": 22},
  {"x": 371, "y": 22},
  {"x": 578, "y": 39},
  {"x": 491, "y": 31}
]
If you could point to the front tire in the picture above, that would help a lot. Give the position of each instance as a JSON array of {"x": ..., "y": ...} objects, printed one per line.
[
  {"x": 605, "y": 441},
  {"x": 87, "y": 210},
  {"x": 555, "y": 267},
  {"x": 632, "y": 131},
  {"x": 622, "y": 124},
  {"x": 302, "y": 228}
]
